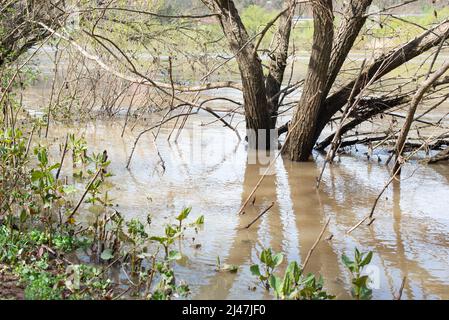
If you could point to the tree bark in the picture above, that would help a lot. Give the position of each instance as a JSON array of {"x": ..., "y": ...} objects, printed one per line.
[
  {"x": 257, "y": 111},
  {"x": 303, "y": 126},
  {"x": 279, "y": 58},
  {"x": 354, "y": 19},
  {"x": 260, "y": 94}
]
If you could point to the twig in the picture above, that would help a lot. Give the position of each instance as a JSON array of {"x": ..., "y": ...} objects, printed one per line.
[
  {"x": 62, "y": 156},
  {"x": 309, "y": 254},
  {"x": 259, "y": 216},
  {"x": 85, "y": 193},
  {"x": 399, "y": 295}
]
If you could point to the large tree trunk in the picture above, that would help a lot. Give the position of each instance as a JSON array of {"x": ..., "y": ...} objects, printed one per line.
[
  {"x": 257, "y": 111},
  {"x": 303, "y": 125},
  {"x": 379, "y": 68},
  {"x": 279, "y": 56},
  {"x": 260, "y": 94},
  {"x": 354, "y": 19}
]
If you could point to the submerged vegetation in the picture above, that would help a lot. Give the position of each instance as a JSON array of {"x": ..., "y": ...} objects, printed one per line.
[{"x": 44, "y": 237}]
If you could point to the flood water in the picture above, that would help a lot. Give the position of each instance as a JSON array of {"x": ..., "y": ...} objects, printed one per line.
[{"x": 208, "y": 170}]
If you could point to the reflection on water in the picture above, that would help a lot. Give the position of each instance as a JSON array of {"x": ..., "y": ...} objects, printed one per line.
[{"x": 207, "y": 169}]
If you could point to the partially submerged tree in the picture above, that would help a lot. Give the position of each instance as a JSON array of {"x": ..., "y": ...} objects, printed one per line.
[
  {"x": 260, "y": 92},
  {"x": 317, "y": 104},
  {"x": 322, "y": 97}
]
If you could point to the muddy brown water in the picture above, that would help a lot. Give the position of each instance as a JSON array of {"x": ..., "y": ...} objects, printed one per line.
[{"x": 208, "y": 169}]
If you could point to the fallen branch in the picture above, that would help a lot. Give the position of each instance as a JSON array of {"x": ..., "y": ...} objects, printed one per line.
[{"x": 441, "y": 156}]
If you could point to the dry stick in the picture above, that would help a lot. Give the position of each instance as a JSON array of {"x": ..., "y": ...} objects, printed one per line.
[
  {"x": 392, "y": 178},
  {"x": 399, "y": 295},
  {"x": 85, "y": 193},
  {"x": 309, "y": 254},
  {"x": 53, "y": 87},
  {"x": 30, "y": 138},
  {"x": 158, "y": 153},
  {"x": 145, "y": 131},
  {"x": 337, "y": 136},
  {"x": 128, "y": 112},
  {"x": 425, "y": 86},
  {"x": 64, "y": 151},
  {"x": 259, "y": 216}
]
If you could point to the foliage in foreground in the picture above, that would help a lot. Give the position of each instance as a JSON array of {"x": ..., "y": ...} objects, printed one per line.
[
  {"x": 42, "y": 241},
  {"x": 294, "y": 284}
]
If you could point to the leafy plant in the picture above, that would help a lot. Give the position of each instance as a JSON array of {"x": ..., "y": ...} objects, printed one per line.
[
  {"x": 270, "y": 262},
  {"x": 42, "y": 179},
  {"x": 167, "y": 287},
  {"x": 293, "y": 285},
  {"x": 360, "y": 283}
]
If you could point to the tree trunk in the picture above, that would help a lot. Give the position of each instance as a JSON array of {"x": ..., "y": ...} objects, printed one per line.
[
  {"x": 257, "y": 113},
  {"x": 303, "y": 126},
  {"x": 259, "y": 94},
  {"x": 279, "y": 58},
  {"x": 354, "y": 19},
  {"x": 380, "y": 67}
]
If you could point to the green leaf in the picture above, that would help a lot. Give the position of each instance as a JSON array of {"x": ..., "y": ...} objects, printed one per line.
[
  {"x": 287, "y": 284},
  {"x": 361, "y": 282},
  {"x": 174, "y": 255},
  {"x": 53, "y": 167},
  {"x": 265, "y": 256},
  {"x": 367, "y": 259},
  {"x": 36, "y": 175},
  {"x": 348, "y": 262},
  {"x": 23, "y": 216},
  {"x": 294, "y": 270},
  {"x": 158, "y": 239},
  {"x": 255, "y": 270},
  {"x": 277, "y": 259},
  {"x": 276, "y": 285},
  {"x": 200, "y": 220},
  {"x": 184, "y": 214},
  {"x": 170, "y": 231},
  {"x": 107, "y": 254},
  {"x": 357, "y": 255}
]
